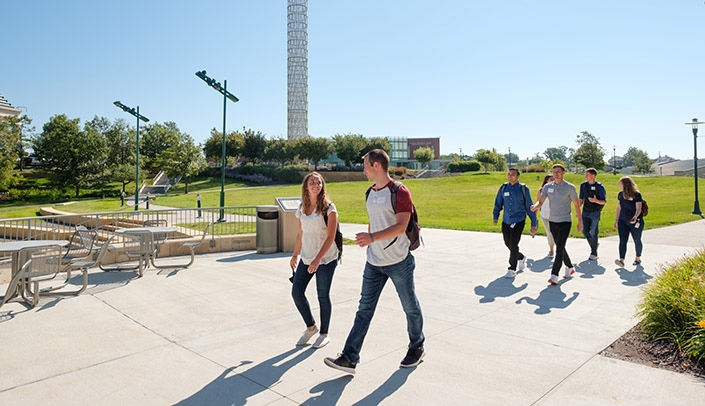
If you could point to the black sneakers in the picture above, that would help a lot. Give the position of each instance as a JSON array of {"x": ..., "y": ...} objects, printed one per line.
[
  {"x": 340, "y": 363},
  {"x": 413, "y": 358}
]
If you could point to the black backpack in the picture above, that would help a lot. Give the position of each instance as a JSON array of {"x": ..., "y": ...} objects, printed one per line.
[
  {"x": 413, "y": 230},
  {"x": 338, "y": 238}
]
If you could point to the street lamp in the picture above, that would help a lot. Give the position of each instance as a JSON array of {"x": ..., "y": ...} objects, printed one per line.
[
  {"x": 139, "y": 117},
  {"x": 694, "y": 124},
  {"x": 226, "y": 95},
  {"x": 614, "y": 159}
]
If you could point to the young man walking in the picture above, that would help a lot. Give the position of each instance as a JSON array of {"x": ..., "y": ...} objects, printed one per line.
[
  {"x": 515, "y": 199},
  {"x": 560, "y": 195},
  {"x": 593, "y": 198},
  {"x": 388, "y": 257}
]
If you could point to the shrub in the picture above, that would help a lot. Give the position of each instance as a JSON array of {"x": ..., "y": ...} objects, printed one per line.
[
  {"x": 673, "y": 305},
  {"x": 464, "y": 166}
]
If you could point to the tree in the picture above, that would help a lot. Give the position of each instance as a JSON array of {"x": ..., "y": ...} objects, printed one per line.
[
  {"x": 156, "y": 139},
  {"x": 556, "y": 153},
  {"x": 589, "y": 153},
  {"x": 183, "y": 159},
  {"x": 512, "y": 158},
  {"x": 254, "y": 145},
  {"x": 11, "y": 148},
  {"x": 423, "y": 155},
  {"x": 280, "y": 150},
  {"x": 628, "y": 157},
  {"x": 377, "y": 143},
  {"x": 349, "y": 147},
  {"x": 234, "y": 144},
  {"x": 314, "y": 149},
  {"x": 71, "y": 154},
  {"x": 641, "y": 162},
  {"x": 486, "y": 158}
]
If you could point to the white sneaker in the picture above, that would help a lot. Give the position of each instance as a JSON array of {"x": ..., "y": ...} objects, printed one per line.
[
  {"x": 568, "y": 272},
  {"x": 321, "y": 341},
  {"x": 521, "y": 264},
  {"x": 592, "y": 257},
  {"x": 307, "y": 336},
  {"x": 510, "y": 273},
  {"x": 553, "y": 280}
]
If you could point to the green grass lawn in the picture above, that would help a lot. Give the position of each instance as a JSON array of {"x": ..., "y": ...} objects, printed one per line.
[{"x": 462, "y": 202}]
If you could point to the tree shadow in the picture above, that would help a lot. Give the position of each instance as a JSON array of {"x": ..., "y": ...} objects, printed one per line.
[
  {"x": 633, "y": 278},
  {"x": 589, "y": 269},
  {"x": 330, "y": 391},
  {"x": 500, "y": 287},
  {"x": 552, "y": 297},
  {"x": 235, "y": 388},
  {"x": 386, "y": 389}
]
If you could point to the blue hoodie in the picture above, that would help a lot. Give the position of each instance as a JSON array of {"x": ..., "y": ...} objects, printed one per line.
[{"x": 515, "y": 202}]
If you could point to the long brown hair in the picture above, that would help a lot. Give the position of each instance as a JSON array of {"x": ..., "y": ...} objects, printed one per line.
[
  {"x": 322, "y": 201},
  {"x": 629, "y": 188}
]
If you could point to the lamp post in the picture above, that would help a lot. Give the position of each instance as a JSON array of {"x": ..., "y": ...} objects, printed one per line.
[
  {"x": 139, "y": 117},
  {"x": 226, "y": 95},
  {"x": 694, "y": 124},
  {"x": 509, "y": 156},
  {"x": 614, "y": 159}
]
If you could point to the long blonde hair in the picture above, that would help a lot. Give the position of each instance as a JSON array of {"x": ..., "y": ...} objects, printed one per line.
[
  {"x": 322, "y": 201},
  {"x": 629, "y": 188}
]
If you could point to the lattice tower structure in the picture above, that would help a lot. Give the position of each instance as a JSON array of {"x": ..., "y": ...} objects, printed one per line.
[{"x": 297, "y": 69}]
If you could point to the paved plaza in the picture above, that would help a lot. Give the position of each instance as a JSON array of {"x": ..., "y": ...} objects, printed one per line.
[{"x": 223, "y": 332}]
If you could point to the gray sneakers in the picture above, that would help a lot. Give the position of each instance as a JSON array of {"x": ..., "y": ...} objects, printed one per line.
[{"x": 306, "y": 336}]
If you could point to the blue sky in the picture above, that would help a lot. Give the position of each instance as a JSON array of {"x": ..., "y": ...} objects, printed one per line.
[{"x": 516, "y": 74}]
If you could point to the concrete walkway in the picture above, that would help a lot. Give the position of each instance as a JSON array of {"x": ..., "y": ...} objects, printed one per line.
[{"x": 223, "y": 333}]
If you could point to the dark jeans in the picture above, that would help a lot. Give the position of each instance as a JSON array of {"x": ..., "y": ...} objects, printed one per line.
[
  {"x": 512, "y": 236},
  {"x": 373, "y": 281},
  {"x": 624, "y": 229},
  {"x": 560, "y": 232},
  {"x": 591, "y": 229},
  {"x": 324, "y": 279}
]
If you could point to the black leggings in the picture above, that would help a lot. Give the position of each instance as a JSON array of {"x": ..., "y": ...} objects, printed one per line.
[{"x": 560, "y": 232}]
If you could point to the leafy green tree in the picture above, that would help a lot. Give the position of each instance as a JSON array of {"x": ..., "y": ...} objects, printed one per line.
[
  {"x": 73, "y": 155},
  {"x": 512, "y": 158},
  {"x": 11, "y": 148},
  {"x": 641, "y": 162},
  {"x": 255, "y": 142},
  {"x": 628, "y": 157},
  {"x": 314, "y": 149},
  {"x": 280, "y": 150},
  {"x": 234, "y": 144},
  {"x": 556, "y": 153},
  {"x": 589, "y": 152},
  {"x": 423, "y": 155},
  {"x": 377, "y": 143},
  {"x": 488, "y": 158},
  {"x": 156, "y": 139},
  {"x": 182, "y": 159},
  {"x": 125, "y": 174},
  {"x": 349, "y": 147}
]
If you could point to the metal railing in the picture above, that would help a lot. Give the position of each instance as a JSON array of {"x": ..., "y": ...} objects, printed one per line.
[{"x": 189, "y": 222}]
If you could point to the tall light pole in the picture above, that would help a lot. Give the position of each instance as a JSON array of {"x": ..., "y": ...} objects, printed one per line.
[
  {"x": 694, "y": 124},
  {"x": 509, "y": 156},
  {"x": 614, "y": 159},
  {"x": 226, "y": 95},
  {"x": 139, "y": 117}
]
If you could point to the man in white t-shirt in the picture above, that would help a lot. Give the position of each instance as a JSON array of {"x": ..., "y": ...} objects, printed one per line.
[{"x": 388, "y": 257}]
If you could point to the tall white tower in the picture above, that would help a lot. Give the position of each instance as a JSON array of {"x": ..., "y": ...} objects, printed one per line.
[{"x": 297, "y": 69}]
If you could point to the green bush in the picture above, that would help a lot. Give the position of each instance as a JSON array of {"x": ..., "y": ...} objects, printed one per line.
[
  {"x": 673, "y": 305},
  {"x": 464, "y": 166}
]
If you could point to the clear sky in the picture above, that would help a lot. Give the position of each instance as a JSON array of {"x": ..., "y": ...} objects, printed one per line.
[{"x": 517, "y": 74}]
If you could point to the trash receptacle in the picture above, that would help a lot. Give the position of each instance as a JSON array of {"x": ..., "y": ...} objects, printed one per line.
[
  {"x": 267, "y": 229},
  {"x": 288, "y": 223}
]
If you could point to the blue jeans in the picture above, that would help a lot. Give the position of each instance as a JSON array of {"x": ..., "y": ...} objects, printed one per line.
[
  {"x": 373, "y": 280},
  {"x": 624, "y": 229},
  {"x": 324, "y": 279},
  {"x": 591, "y": 229}
]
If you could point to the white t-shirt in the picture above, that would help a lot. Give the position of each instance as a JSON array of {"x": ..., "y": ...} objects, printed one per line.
[
  {"x": 382, "y": 216},
  {"x": 546, "y": 208},
  {"x": 314, "y": 235}
]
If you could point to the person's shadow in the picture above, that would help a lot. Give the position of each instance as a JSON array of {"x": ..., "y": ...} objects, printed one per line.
[
  {"x": 330, "y": 391},
  {"x": 589, "y": 269},
  {"x": 386, "y": 389},
  {"x": 633, "y": 278},
  {"x": 500, "y": 287},
  {"x": 539, "y": 265},
  {"x": 231, "y": 388},
  {"x": 552, "y": 297}
]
